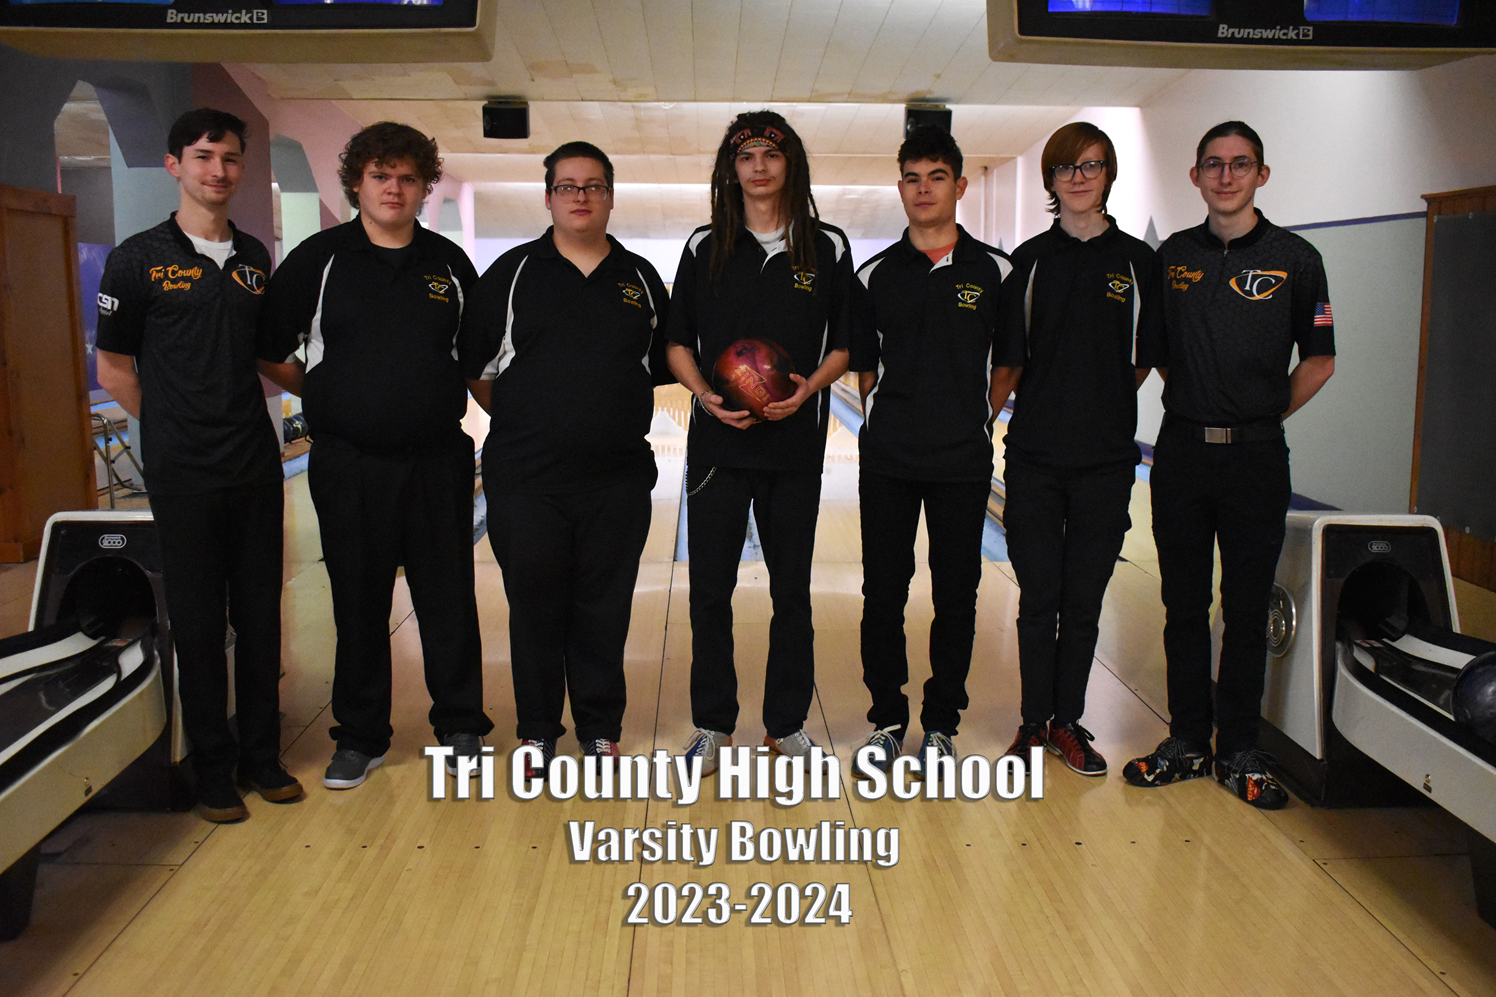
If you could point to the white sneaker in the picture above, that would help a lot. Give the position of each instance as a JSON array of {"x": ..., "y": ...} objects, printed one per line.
[
  {"x": 706, "y": 743},
  {"x": 796, "y": 745}
]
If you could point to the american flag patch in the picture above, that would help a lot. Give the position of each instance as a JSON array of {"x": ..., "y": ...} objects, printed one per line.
[{"x": 1322, "y": 314}]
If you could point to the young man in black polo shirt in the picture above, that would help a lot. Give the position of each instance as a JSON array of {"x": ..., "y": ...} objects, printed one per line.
[
  {"x": 176, "y": 348},
  {"x": 1240, "y": 294},
  {"x": 766, "y": 267},
  {"x": 378, "y": 304},
  {"x": 568, "y": 478},
  {"x": 922, "y": 345},
  {"x": 1081, "y": 297}
]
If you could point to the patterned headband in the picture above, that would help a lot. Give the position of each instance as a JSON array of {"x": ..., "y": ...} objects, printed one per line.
[{"x": 765, "y": 137}]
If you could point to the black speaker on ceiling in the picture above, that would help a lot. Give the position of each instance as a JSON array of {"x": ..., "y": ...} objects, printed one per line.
[
  {"x": 919, "y": 115},
  {"x": 506, "y": 119}
]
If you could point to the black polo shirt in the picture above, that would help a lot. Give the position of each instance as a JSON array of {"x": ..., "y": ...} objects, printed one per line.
[
  {"x": 1075, "y": 314},
  {"x": 573, "y": 359},
  {"x": 191, "y": 328},
  {"x": 926, "y": 331},
  {"x": 382, "y": 368},
  {"x": 761, "y": 295},
  {"x": 1233, "y": 315}
]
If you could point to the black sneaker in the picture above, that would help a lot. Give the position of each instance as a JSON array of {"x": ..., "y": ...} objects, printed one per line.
[
  {"x": 463, "y": 745},
  {"x": 1072, "y": 743},
  {"x": 272, "y": 782},
  {"x": 1029, "y": 736},
  {"x": 1246, "y": 774},
  {"x": 547, "y": 748},
  {"x": 606, "y": 751},
  {"x": 349, "y": 768},
  {"x": 219, "y": 802},
  {"x": 1172, "y": 761}
]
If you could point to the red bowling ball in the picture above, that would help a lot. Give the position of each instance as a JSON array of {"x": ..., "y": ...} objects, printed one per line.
[{"x": 752, "y": 373}]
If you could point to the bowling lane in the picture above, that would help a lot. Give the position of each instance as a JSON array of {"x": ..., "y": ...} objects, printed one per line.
[{"x": 385, "y": 890}]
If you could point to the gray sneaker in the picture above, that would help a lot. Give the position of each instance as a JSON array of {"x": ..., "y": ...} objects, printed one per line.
[
  {"x": 349, "y": 768},
  {"x": 463, "y": 745},
  {"x": 706, "y": 743},
  {"x": 796, "y": 745},
  {"x": 885, "y": 739}
]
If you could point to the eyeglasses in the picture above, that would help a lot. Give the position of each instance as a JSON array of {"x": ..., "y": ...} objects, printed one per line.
[
  {"x": 1090, "y": 170},
  {"x": 1240, "y": 166},
  {"x": 570, "y": 190}
]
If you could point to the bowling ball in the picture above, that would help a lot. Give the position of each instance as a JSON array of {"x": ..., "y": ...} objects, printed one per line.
[
  {"x": 1475, "y": 695},
  {"x": 751, "y": 373}
]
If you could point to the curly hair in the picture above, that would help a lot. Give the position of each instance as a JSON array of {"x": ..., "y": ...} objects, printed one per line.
[
  {"x": 385, "y": 143},
  {"x": 797, "y": 205},
  {"x": 1064, "y": 148}
]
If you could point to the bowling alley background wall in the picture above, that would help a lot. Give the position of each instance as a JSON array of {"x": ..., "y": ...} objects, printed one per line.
[{"x": 1351, "y": 154}]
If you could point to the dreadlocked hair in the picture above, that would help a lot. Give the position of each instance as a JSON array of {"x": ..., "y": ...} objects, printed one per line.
[{"x": 797, "y": 205}]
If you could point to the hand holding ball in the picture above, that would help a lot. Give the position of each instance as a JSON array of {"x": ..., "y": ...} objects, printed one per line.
[{"x": 752, "y": 373}]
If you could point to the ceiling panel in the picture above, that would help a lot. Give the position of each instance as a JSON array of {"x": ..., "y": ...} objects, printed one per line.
[{"x": 654, "y": 83}]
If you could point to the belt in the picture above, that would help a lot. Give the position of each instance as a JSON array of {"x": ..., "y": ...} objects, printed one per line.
[{"x": 1251, "y": 432}]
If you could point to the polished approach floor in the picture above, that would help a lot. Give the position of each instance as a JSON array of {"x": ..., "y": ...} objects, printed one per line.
[{"x": 1097, "y": 889}]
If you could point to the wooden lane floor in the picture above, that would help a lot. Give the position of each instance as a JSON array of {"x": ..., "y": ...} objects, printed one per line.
[{"x": 1098, "y": 888}]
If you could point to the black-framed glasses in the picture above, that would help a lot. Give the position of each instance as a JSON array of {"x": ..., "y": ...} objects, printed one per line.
[
  {"x": 1091, "y": 169},
  {"x": 1240, "y": 166},
  {"x": 571, "y": 190}
]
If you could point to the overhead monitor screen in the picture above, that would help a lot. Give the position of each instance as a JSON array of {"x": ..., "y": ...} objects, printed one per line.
[
  {"x": 230, "y": 15},
  {"x": 1371, "y": 11},
  {"x": 1193, "y": 7}
]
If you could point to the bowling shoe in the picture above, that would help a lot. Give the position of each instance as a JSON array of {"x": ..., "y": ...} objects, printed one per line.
[
  {"x": 706, "y": 743},
  {"x": 887, "y": 741},
  {"x": 463, "y": 745},
  {"x": 796, "y": 744},
  {"x": 1072, "y": 743},
  {"x": 1246, "y": 774},
  {"x": 349, "y": 768},
  {"x": 219, "y": 802},
  {"x": 1029, "y": 736},
  {"x": 1172, "y": 761},
  {"x": 272, "y": 782}
]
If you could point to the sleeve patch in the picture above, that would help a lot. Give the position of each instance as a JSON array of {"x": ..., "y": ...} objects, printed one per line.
[{"x": 107, "y": 305}]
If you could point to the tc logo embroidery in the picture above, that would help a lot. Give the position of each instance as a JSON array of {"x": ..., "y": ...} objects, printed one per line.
[
  {"x": 967, "y": 296},
  {"x": 632, "y": 293},
  {"x": 1117, "y": 286},
  {"x": 803, "y": 279},
  {"x": 438, "y": 284},
  {"x": 1258, "y": 285},
  {"x": 250, "y": 279}
]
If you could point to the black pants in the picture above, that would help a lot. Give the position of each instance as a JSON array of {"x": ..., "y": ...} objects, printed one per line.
[
  {"x": 220, "y": 547},
  {"x": 570, "y": 562},
  {"x": 1065, "y": 531},
  {"x": 785, "y": 507},
  {"x": 377, "y": 511},
  {"x": 1235, "y": 495},
  {"x": 954, "y": 515}
]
